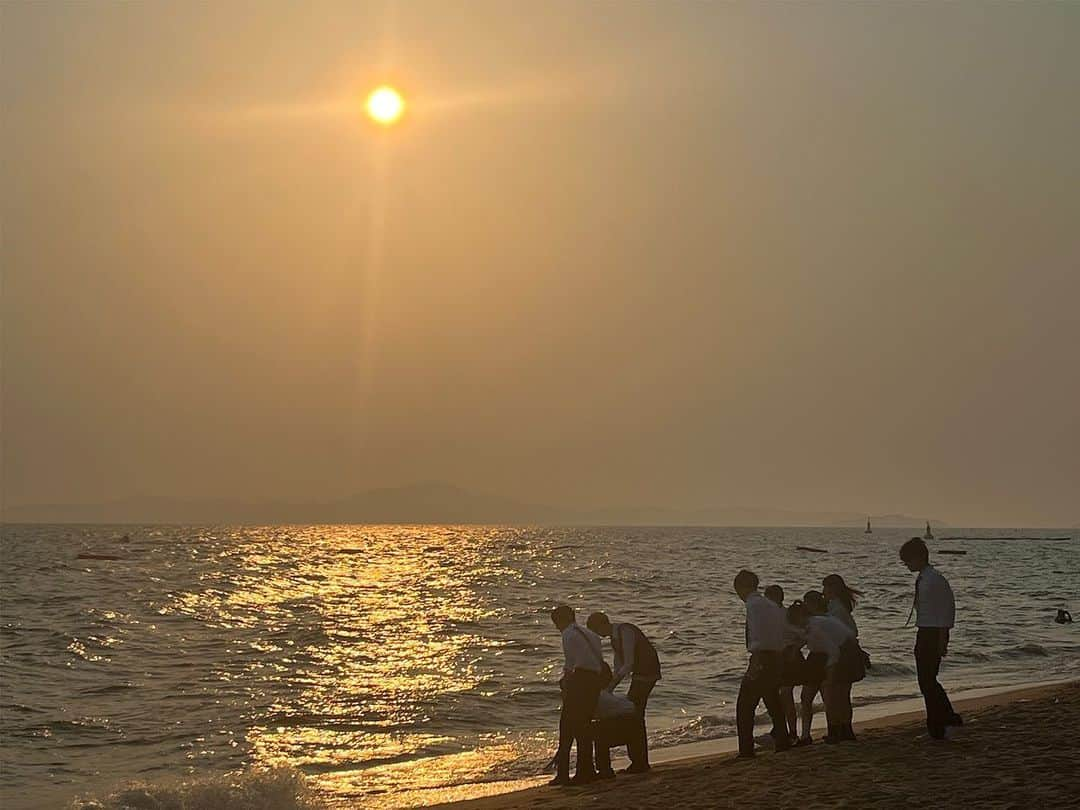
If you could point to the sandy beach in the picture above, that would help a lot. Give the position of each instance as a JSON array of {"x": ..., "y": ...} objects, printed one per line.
[{"x": 1016, "y": 749}]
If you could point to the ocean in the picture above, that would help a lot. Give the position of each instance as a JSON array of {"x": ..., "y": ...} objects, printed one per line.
[{"x": 385, "y": 661}]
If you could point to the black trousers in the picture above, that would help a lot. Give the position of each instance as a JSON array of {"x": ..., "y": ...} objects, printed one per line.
[
  {"x": 638, "y": 693},
  {"x": 610, "y": 734},
  {"x": 580, "y": 690},
  {"x": 760, "y": 683},
  {"x": 939, "y": 711}
]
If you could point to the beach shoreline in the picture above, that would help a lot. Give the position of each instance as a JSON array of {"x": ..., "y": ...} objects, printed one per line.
[{"x": 697, "y": 774}]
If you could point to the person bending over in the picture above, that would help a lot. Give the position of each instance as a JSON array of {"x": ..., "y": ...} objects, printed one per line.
[
  {"x": 635, "y": 656},
  {"x": 813, "y": 670},
  {"x": 829, "y": 637}
]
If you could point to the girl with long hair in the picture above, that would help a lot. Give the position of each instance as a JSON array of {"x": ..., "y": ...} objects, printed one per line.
[{"x": 841, "y": 599}]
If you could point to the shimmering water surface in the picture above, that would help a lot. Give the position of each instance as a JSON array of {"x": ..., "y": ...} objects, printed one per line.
[{"x": 387, "y": 660}]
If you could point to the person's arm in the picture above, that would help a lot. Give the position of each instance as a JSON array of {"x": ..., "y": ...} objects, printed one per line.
[
  {"x": 754, "y": 621},
  {"x": 624, "y": 663},
  {"x": 566, "y": 643},
  {"x": 753, "y": 642},
  {"x": 948, "y": 612}
]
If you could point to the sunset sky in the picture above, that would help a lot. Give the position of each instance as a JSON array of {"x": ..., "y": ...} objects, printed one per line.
[{"x": 809, "y": 256}]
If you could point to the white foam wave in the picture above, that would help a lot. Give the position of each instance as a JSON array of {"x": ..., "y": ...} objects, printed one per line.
[{"x": 278, "y": 788}]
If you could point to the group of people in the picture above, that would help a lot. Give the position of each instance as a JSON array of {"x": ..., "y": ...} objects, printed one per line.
[
  {"x": 593, "y": 717},
  {"x": 822, "y": 622},
  {"x": 596, "y": 719}
]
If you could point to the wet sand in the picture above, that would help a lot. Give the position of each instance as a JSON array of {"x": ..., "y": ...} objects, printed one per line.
[{"x": 1017, "y": 749}]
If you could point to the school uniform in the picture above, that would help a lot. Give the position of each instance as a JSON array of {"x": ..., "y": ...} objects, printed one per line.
[
  {"x": 765, "y": 637},
  {"x": 935, "y": 614},
  {"x": 825, "y": 635},
  {"x": 636, "y": 656},
  {"x": 581, "y": 684},
  {"x": 616, "y": 723},
  {"x": 838, "y": 610},
  {"x": 834, "y": 642}
]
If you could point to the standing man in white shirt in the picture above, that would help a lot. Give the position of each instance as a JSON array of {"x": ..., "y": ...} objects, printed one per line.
[
  {"x": 635, "y": 656},
  {"x": 581, "y": 684},
  {"x": 935, "y": 614},
  {"x": 765, "y": 637}
]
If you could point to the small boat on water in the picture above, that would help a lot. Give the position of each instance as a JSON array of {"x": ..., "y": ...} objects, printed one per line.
[
  {"x": 928, "y": 535},
  {"x": 868, "y": 529}
]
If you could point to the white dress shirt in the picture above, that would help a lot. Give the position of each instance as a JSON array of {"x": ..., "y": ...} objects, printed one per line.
[
  {"x": 581, "y": 648},
  {"x": 934, "y": 602},
  {"x": 765, "y": 624},
  {"x": 826, "y": 634},
  {"x": 838, "y": 610},
  {"x": 793, "y": 636},
  {"x": 613, "y": 707}
]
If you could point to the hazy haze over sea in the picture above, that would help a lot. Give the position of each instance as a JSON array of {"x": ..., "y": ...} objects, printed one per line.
[
  {"x": 386, "y": 659},
  {"x": 813, "y": 255}
]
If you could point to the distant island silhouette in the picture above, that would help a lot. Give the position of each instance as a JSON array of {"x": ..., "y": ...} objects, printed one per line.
[{"x": 430, "y": 502}]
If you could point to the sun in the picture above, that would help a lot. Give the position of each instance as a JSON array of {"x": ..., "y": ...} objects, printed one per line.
[{"x": 385, "y": 105}]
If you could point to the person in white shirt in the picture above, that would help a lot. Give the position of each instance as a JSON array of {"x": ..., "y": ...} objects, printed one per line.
[
  {"x": 935, "y": 613},
  {"x": 765, "y": 638},
  {"x": 833, "y": 643},
  {"x": 635, "y": 656},
  {"x": 617, "y": 722},
  {"x": 841, "y": 599},
  {"x": 581, "y": 684}
]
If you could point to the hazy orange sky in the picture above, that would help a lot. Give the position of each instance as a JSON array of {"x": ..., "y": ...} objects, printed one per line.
[{"x": 813, "y": 256}]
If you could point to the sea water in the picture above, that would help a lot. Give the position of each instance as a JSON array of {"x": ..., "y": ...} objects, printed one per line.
[{"x": 387, "y": 660}]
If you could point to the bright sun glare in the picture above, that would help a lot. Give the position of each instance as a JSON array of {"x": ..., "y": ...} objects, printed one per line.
[{"x": 385, "y": 105}]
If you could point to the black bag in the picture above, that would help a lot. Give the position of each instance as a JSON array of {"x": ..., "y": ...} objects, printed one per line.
[{"x": 852, "y": 663}]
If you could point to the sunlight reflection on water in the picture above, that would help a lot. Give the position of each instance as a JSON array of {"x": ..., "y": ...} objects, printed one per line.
[{"x": 383, "y": 636}]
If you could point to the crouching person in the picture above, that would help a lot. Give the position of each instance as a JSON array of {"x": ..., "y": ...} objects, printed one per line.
[{"x": 617, "y": 723}]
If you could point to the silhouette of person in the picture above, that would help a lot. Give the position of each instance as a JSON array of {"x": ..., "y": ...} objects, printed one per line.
[
  {"x": 765, "y": 638},
  {"x": 635, "y": 656},
  {"x": 581, "y": 684}
]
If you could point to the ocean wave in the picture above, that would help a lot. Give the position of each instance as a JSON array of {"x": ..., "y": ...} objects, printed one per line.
[
  {"x": 1025, "y": 651},
  {"x": 702, "y": 727},
  {"x": 108, "y": 688},
  {"x": 879, "y": 670},
  {"x": 278, "y": 788}
]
